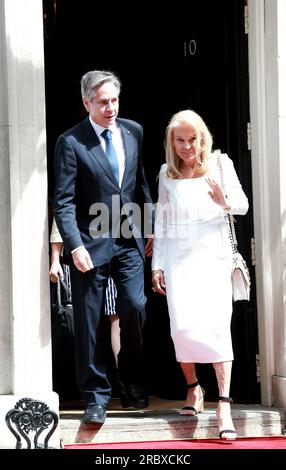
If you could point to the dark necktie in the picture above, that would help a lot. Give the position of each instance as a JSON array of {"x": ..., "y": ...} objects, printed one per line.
[{"x": 111, "y": 153}]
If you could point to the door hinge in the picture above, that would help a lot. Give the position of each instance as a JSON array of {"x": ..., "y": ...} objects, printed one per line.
[
  {"x": 249, "y": 136},
  {"x": 246, "y": 20},
  {"x": 257, "y": 368},
  {"x": 253, "y": 251}
]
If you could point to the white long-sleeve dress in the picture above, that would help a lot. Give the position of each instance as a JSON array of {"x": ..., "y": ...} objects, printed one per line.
[{"x": 193, "y": 249}]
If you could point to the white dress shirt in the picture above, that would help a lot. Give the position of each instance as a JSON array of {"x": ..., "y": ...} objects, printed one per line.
[{"x": 117, "y": 141}]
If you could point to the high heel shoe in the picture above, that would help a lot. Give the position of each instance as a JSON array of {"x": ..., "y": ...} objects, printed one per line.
[
  {"x": 191, "y": 410},
  {"x": 226, "y": 434}
]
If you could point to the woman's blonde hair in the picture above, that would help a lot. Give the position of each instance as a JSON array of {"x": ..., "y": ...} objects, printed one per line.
[{"x": 204, "y": 142}]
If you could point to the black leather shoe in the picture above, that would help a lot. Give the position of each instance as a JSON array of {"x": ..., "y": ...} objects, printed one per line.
[
  {"x": 94, "y": 414},
  {"x": 132, "y": 395}
]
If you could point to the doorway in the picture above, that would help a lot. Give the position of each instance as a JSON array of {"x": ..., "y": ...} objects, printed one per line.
[{"x": 194, "y": 56}]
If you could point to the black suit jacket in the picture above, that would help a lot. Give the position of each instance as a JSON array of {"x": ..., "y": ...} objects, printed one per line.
[{"x": 88, "y": 200}]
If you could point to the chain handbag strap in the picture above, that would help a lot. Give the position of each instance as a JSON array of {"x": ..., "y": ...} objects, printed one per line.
[{"x": 229, "y": 217}]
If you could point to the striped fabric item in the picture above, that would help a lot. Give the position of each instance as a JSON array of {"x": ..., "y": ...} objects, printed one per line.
[{"x": 110, "y": 301}]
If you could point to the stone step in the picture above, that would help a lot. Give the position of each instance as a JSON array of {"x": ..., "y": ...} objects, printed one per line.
[{"x": 161, "y": 421}]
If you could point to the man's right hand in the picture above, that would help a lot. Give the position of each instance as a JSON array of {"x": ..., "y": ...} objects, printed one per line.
[{"x": 82, "y": 260}]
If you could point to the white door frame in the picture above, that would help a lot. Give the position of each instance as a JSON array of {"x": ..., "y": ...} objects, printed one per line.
[{"x": 265, "y": 218}]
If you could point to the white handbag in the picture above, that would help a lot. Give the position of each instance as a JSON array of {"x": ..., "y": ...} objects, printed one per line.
[{"x": 240, "y": 276}]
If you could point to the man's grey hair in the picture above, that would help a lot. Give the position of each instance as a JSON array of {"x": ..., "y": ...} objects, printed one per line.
[{"x": 95, "y": 78}]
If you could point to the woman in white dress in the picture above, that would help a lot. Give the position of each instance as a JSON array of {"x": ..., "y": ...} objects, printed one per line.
[{"x": 192, "y": 257}]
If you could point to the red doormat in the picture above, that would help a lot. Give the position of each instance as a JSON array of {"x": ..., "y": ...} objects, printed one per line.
[{"x": 277, "y": 442}]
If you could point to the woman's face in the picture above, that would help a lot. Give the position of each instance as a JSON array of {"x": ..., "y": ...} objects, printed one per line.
[{"x": 184, "y": 142}]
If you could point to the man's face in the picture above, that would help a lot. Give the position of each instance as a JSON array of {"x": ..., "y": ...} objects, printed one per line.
[{"x": 103, "y": 108}]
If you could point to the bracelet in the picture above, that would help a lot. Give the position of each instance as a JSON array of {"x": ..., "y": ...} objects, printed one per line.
[{"x": 156, "y": 270}]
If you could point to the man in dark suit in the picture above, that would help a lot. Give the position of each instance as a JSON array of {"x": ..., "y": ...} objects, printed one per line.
[{"x": 103, "y": 210}]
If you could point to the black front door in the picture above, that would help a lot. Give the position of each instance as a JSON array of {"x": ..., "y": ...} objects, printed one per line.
[{"x": 193, "y": 55}]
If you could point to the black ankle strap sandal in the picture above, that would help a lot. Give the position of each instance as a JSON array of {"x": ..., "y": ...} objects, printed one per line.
[
  {"x": 194, "y": 411},
  {"x": 226, "y": 399},
  {"x": 231, "y": 432},
  {"x": 193, "y": 385}
]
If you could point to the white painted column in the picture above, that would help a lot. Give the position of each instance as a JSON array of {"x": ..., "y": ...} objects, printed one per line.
[
  {"x": 261, "y": 196},
  {"x": 279, "y": 379},
  {"x": 267, "y": 39},
  {"x": 25, "y": 336}
]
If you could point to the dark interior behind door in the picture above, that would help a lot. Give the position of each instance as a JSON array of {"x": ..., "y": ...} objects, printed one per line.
[{"x": 191, "y": 56}]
